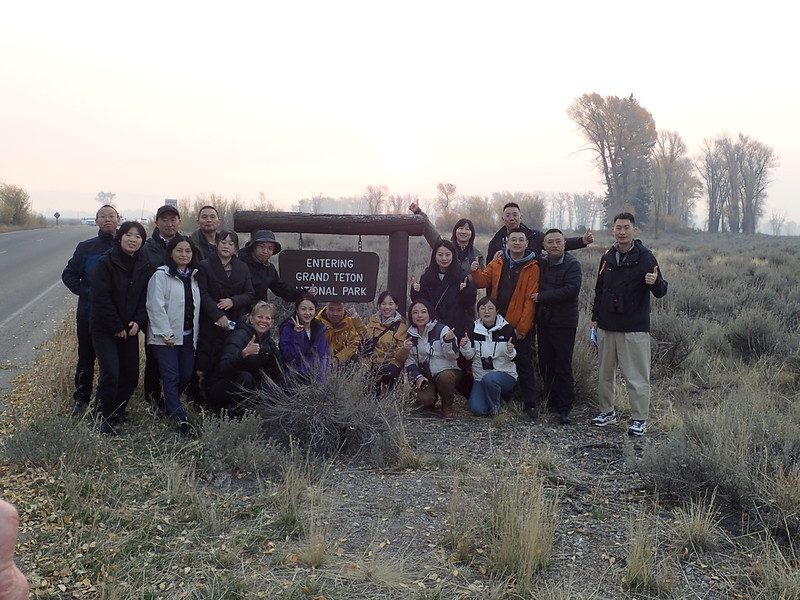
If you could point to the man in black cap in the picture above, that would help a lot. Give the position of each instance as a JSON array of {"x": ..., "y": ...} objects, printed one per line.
[{"x": 256, "y": 255}]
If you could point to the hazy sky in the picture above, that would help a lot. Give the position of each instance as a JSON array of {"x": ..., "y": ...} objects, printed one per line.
[{"x": 155, "y": 100}]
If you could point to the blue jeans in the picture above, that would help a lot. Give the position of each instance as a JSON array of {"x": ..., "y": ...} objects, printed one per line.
[
  {"x": 485, "y": 396},
  {"x": 176, "y": 364}
]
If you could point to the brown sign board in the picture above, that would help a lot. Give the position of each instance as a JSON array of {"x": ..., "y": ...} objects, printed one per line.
[{"x": 338, "y": 276}]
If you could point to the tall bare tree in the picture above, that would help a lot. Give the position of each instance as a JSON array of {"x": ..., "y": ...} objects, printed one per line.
[
  {"x": 712, "y": 165},
  {"x": 374, "y": 196},
  {"x": 445, "y": 196},
  {"x": 776, "y": 222},
  {"x": 621, "y": 133},
  {"x": 675, "y": 186},
  {"x": 105, "y": 198}
]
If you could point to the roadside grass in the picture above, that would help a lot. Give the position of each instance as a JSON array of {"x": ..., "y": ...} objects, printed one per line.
[{"x": 249, "y": 510}]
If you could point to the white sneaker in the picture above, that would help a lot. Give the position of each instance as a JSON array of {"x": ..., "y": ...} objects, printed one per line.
[
  {"x": 637, "y": 428},
  {"x": 604, "y": 419}
]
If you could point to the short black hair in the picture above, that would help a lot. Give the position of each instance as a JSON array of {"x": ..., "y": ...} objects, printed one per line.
[
  {"x": 553, "y": 230},
  {"x": 623, "y": 216},
  {"x": 511, "y": 205}
]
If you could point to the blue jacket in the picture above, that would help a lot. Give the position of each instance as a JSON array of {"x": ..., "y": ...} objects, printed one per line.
[{"x": 77, "y": 275}]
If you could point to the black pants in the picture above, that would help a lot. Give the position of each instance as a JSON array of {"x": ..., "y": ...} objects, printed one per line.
[
  {"x": 118, "y": 360},
  {"x": 556, "y": 345},
  {"x": 526, "y": 375},
  {"x": 84, "y": 370}
]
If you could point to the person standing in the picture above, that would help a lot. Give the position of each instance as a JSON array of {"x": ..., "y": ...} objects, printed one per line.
[
  {"x": 168, "y": 223},
  {"x": 77, "y": 276},
  {"x": 627, "y": 276},
  {"x": 557, "y": 321},
  {"x": 173, "y": 311},
  {"x": 204, "y": 238},
  {"x": 119, "y": 290},
  {"x": 514, "y": 277}
]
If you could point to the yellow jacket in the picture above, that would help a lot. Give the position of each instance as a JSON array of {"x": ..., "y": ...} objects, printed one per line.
[
  {"x": 344, "y": 337},
  {"x": 389, "y": 346}
]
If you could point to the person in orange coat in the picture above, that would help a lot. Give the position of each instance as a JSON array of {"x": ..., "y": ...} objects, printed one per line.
[{"x": 514, "y": 278}]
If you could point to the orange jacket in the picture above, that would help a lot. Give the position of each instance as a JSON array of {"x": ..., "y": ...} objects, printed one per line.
[{"x": 521, "y": 309}]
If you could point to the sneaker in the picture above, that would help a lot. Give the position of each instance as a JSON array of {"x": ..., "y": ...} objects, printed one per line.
[
  {"x": 532, "y": 412},
  {"x": 604, "y": 419},
  {"x": 565, "y": 418},
  {"x": 448, "y": 412},
  {"x": 637, "y": 428}
]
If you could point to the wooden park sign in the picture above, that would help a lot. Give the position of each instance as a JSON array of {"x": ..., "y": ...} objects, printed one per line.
[
  {"x": 396, "y": 227},
  {"x": 340, "y": 276}
]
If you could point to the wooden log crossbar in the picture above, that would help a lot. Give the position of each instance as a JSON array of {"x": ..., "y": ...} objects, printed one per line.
[{"x": 396, "y": 227}]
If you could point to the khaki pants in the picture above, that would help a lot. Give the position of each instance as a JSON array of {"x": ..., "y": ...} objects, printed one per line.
[
  {"x": 630, "y": 351},
  {"x": 443, "y": 383}
]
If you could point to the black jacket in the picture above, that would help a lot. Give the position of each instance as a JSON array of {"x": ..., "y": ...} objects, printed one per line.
[
  {"x": 77, "y": 275},
  {"x": 535, "y": 240},
  {"x": 559, "y": 288},
  {"x": 215, "y": 285},
  {"x": 621, "y": 296},
  {"x": 119, "y": 291},
  {"x": 454, "y": 307},
  {"x": 265, "y": 277},
  {"x": 231, "y": 361}
]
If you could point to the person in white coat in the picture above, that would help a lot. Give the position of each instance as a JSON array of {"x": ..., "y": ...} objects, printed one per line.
[
  {"x": 173, "y": 310},
  {"x": 490, "y": 347}
]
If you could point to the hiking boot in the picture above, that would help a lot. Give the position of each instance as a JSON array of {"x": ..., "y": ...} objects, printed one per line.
[
  {"x": 637, "y": 428},
  {"x": 448, "y": 412},
  {"x": 532, "y": 412},
  {"x": 565, "y": 418},
  {"x": 604, "y": 419}
]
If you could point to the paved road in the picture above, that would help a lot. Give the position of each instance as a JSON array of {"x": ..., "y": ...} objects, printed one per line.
[{"x": 33, "y": 301}]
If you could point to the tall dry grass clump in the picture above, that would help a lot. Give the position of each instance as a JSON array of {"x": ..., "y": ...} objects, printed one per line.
[
  {"x": 522, "y": 524},
  {"x": 645, "y": 571}
]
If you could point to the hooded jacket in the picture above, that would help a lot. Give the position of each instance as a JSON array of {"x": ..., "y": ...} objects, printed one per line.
[
  {"x": 344, "y": 337},
  {"x": 389, "y": 336},
  {"x": 621, "y": 296},
  {"x": 166, "y": 305},
  {"x": 521, "y": 309},
  {"x": 431, "y": 354},
  {"x": 491, "y": 343},
  {"x": 77, "y": 275}
]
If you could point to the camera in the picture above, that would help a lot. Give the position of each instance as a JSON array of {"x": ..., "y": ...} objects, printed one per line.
[
  {"x": 617, "y": 305},
  {"x": 487, "y": 363}
]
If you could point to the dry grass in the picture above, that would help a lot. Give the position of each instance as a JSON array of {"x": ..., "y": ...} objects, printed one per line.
[{"x": 644, "y": 570}]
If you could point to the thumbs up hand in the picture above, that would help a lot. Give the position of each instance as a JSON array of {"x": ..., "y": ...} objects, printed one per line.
[
  {"x": 463, "y": 283},
  {"x": 464, "y": 341},
  {"x": 651, "y": 278},
  {"x": 588, "y": 237},
  {"x": 414, "y": 285}
]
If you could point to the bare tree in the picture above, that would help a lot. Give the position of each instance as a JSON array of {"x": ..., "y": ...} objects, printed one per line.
[
  {"x": 374, "y": 196},
  {"x": 712, "y": 165},
  {"x": 756, "y": 160},
  {"x": 621, "y": 133},
  {"x": 675, "y": 187},
  {"x": 776, "y": 222},
  {"x": 587, "y": 207},
  {"x": 105, "y": 198},
  {"x": 445, "y": 196}
]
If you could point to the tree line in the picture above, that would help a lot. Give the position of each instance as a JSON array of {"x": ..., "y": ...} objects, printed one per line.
[
  {"x": 650, "y": 172},
  {"x": 15, "y": 207}
]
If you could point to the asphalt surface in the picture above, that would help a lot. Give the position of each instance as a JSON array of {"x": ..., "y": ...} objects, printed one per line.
[{"x": 33, "y": 300}]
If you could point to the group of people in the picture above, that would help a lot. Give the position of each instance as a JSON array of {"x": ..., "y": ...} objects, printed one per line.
[
  {"x": 201, "y": 302},
  {"x": 532, "y": 288},
  {"x": 191, "y": 296}
]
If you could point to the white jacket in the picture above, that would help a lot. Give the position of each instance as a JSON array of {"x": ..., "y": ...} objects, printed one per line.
[
  {"x": 492, "y": 343},
  {"x": 165, "y": 307},
  {"x": 439, "y": 355}
]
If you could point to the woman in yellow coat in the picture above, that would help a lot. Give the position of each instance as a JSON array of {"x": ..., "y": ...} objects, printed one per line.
[{"x": 383, "y": 343}]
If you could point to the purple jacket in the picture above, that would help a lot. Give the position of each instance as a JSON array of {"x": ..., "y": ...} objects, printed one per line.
[{"x": 303, "y": 355}]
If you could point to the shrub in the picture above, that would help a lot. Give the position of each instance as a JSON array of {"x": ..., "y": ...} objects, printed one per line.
[
  {"x": 239, "y": 446},
  {"x": 754, "y": 333},
  {"x": 340, "y": 415},
  {"x": 51, "y": 440}
]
